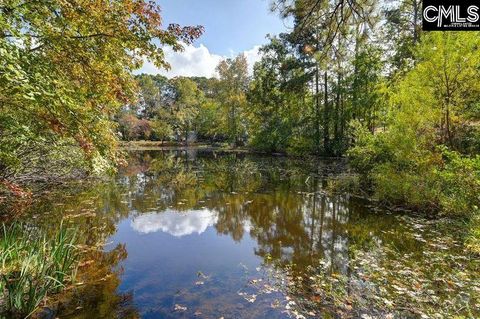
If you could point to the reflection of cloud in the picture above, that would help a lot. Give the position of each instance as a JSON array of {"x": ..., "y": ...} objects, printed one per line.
[
  {"x": 247, "y": 225},
  {"x": 175, "y": 223}
]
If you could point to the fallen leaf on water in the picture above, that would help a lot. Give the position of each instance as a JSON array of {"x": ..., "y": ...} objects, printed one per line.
[
  {"x": 254, "y": 281},
  {"x": 267, "y": 289}
]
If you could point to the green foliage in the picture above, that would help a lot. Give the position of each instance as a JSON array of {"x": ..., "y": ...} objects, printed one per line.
[
  {"x": 276, "y": 97},
  {"x": 34, "y": 266},
  {"x": 234, "y": 81},
  {"x": 402, "y": 32},
  {"x": 161, "y": 129},
  {"x": 185, "y": 107},
  {"x": 171, "y": 109},
  {"x": 473, "y": 237},
  {"x": 421, "y": 159},
  {"x": 459, "y": 179},
  {"x": 209, "y": 122},
  {"x": 152, "y": 94}
]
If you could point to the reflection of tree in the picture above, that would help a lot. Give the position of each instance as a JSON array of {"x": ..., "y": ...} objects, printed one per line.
[
  {"x": 98, "y": 295},
  {"x": 258, "y": 193},
  {"x": 278, "y": 202},
  {"x": 95, "y": 213}
]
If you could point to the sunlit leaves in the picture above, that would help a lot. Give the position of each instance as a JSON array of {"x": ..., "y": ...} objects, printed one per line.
[{"x": 66, "y": 68}]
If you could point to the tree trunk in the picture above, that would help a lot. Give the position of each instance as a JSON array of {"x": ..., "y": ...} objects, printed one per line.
[
  {"x": 415, "y": 18},
  {"x": 326, "y": 118},
  {"x": 337, "y": 111},
  {"x": 317, "y": 110}
]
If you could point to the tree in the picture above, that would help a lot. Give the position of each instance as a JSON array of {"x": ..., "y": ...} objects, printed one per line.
[
  {"x": 276, "y": 98},
  {"x": 186, "y": 104},
  {"x": 233, "y": 85},
  {"x": 325, "y": 34},
  {"x": 66, "y": 69},
  {"x": 402, "y": 32},
  {"x": 418, "y": 160},
  {"x": 152, "y": 94}
]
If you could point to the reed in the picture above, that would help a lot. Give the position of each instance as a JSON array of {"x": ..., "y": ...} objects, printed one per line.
[{"x": 33, "y": 266}]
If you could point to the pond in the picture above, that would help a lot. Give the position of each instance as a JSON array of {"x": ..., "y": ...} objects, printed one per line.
[{"x": 198, "y": 233}]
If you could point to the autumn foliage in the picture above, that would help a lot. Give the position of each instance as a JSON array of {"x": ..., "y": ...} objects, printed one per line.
[{"x": 66, "y": 69}]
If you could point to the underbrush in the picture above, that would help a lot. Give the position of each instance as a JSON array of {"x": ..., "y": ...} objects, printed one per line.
[
  {"x": 34, "y": 265},
  {"x": 399, "y": 170}
]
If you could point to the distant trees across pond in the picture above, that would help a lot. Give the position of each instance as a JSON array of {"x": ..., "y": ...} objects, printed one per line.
[{"x": 185, "y": 109}]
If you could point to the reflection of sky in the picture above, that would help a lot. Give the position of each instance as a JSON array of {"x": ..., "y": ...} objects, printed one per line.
[
  {"x": 175, "y": 223},
  {"x": 167, "y": 250}
]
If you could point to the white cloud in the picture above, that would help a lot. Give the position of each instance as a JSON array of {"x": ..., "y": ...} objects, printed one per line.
[
  {"x": 175, "y": 223},
  {"x": 195, "y": 61},
  {"x": 253, "y": 55}
]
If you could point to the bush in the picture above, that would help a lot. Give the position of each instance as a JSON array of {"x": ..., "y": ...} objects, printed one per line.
[
  {"x": 401, "y": 170},
  {"x": 459, "y": 183},
  {"x": 410, "y": 174}
]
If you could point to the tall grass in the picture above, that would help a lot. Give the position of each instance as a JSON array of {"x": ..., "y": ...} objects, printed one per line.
[{"x": 33, "y": 266}]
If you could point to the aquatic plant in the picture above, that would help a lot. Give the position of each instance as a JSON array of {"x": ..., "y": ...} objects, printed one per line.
[{"x": 34, "y": 265}]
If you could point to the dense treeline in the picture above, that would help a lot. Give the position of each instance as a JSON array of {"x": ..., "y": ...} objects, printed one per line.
[{"x": 185, "y": 109}]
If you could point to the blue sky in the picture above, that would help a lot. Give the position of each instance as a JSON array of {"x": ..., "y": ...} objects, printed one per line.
[{"x": 231, "y": 27}]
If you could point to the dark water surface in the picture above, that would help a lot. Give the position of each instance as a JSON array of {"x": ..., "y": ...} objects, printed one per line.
[{"x": 202, "y": 234}]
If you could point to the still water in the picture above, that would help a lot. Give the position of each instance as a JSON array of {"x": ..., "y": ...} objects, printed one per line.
[{"x": 205, "y": 234}]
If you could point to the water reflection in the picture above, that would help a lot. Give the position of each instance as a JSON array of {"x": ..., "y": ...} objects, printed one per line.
[
  {"x": 209, "y": 234},
  {"x": 175, "y": 223}
]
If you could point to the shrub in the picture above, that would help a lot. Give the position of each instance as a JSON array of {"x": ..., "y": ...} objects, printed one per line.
[{"x": 459, "y": 183}]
